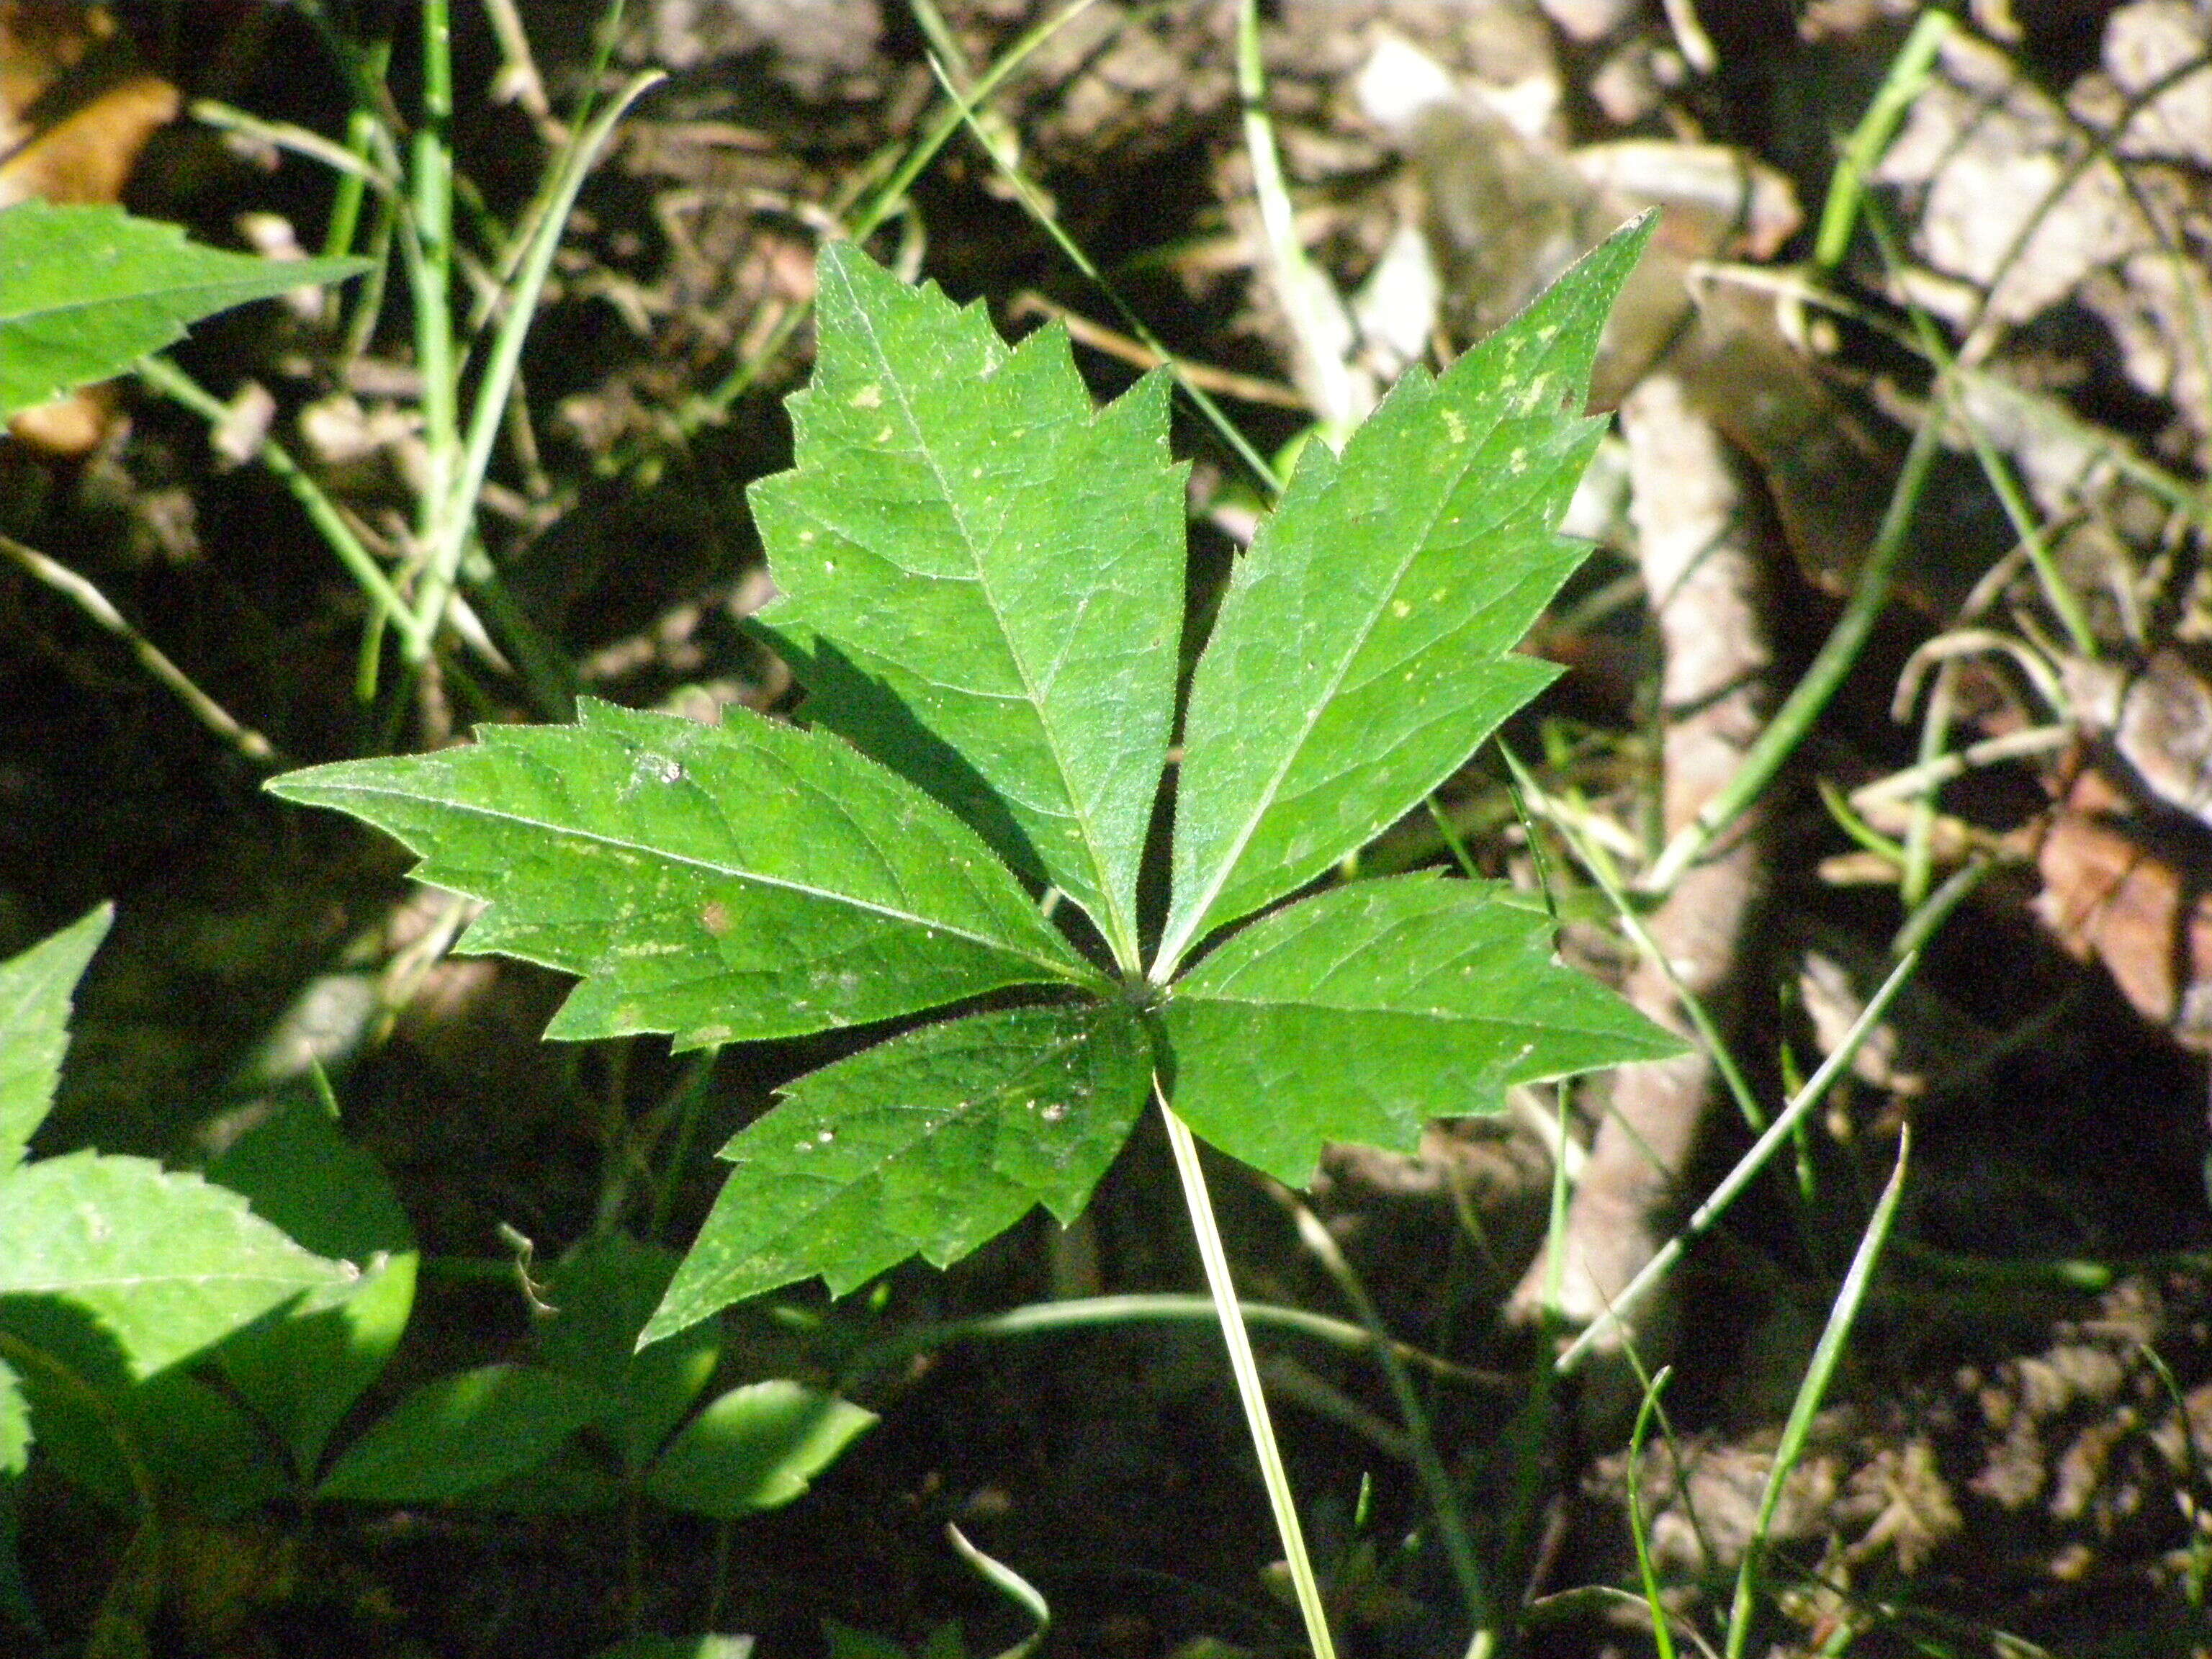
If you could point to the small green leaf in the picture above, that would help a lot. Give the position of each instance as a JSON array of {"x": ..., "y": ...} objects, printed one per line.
[
  {"x": 166, "y": 1263},
  {"x": 86, "y": 291},
  {"x": 202, "y": 1450},
  {"x": 601, "y": 1295},
  {"x": 1365, "y": 647},
  {"x": 679, "y": 1647},
  {"x": 35, "y": 990},
  {"x": 756, "y": 1448},
  {"x": 190, "y": 1446},
  {"x": 1359, "y": 1013},
  {"x": 721, "y": 884},
  {"x": 303, "y": 1370},
  {"x": 847, "y": 1643},
  {"x": 926, "y": 1145},
  {"x": 15, "y": 1424},
  {"x": 460, "y": 1433},
  {"x": 573, "y": 1478},
  {"x": 983, "y": 576}
]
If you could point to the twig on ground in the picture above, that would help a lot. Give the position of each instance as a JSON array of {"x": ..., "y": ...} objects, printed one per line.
[{"x": 1694, "y": 513}]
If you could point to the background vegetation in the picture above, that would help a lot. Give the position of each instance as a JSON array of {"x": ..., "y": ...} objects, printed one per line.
[{"x": 1879, "y": 771}]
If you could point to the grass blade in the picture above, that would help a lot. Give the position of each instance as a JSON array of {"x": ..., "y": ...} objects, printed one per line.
[{"x": 1825, "y": 1356}]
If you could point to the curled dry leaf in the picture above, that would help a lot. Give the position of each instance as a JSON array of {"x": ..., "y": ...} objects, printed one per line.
[
  {"x": 2111, "y": 899},
  {"x": 2112, "y": 895}
]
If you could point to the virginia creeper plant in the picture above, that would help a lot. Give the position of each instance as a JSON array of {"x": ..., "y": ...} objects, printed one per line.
[
  {"x": 127, "y": 1288},
  {"x": 982, "y": 595}
]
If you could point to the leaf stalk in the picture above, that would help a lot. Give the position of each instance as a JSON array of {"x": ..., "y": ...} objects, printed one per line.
[{"x": 1199, "y": 1202}]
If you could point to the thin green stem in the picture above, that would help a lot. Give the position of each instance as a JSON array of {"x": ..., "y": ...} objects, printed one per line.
[
  {"x": 1042, "y": 214},
  {"x": 1914, "y": 935},
  {"x": 1922, "y": 775},
  {"x": 429, "y": 258},
  {"x": 1908, "y": 74},
  {"x": 1995, "y": 467},
  {"x": 1662, "y": 1633},
  {"x": 357, "y": 172},
  {"x": 1199, "y": 1203},
  {"x": 1443, "y": 1496},
  {"x": 1935, "y": 740},
  {"x": 89, "y": 598},
  {"x": 1794, "y": 1431},
  {"x": 1458, "y": 843},
  {"x": 881, "y": 206},
  {"x": 1092, "y": 1312},
  {"x": 1599, "y": 864},
  {"x": 166, "y": 378},
  {"x": 456, "y": 515},
  {"x": 1012, "y": 1585}
]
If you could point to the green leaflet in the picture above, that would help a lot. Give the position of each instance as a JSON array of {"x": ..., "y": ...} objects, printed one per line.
[
  {"x": 86, "y": 291},
  {"x": 721, "y": 884},
  {"x": 983, "y": 576},
  {"x": 1358, "y": 1013},
  {"x": 35, "y": 990},
  {"x": 1365, "y": 647},
  {"x": 459, "y": 1434},
  {"x": 599, "y": 1296},
  {"x": 302, "y": 1371},
  {"x": 756, "y": 1448},
  {"x": 927, "y": 1145}
]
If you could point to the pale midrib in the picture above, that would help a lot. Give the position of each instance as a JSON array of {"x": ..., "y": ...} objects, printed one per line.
[
  {"x": 1172, "y": 948},
  {"x": 1123, "y": 924},
  {"x": 758, "y": 878},
  {"x": 68, "y": 308},
  {"x": 63, "y": 1285},
  {"x": 1441, "y": 1016}
]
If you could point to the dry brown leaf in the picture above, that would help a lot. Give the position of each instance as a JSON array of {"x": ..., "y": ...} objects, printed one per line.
[
  {"x": 2109, "y": 898},
  {"x": 87, "y": 154},
  {"x": 74, "y": 115}
]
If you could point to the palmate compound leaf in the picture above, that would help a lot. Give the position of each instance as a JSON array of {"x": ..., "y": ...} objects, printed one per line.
[
  {"x": 1365, "y": 646},
  {"x": 163, "y": 1263},
  {"x": 302, "y": 1371},
  {"x": 720, "y": 883},
  {"x": 929, "y": 1143},
  {"x": 1359, "y": 1012},
  {"x": 166, "y": 1263},
  {"x": 982, "y": 575},
  {"x": 711, "y": 884},
  {"x": 86, "y": 291}
]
